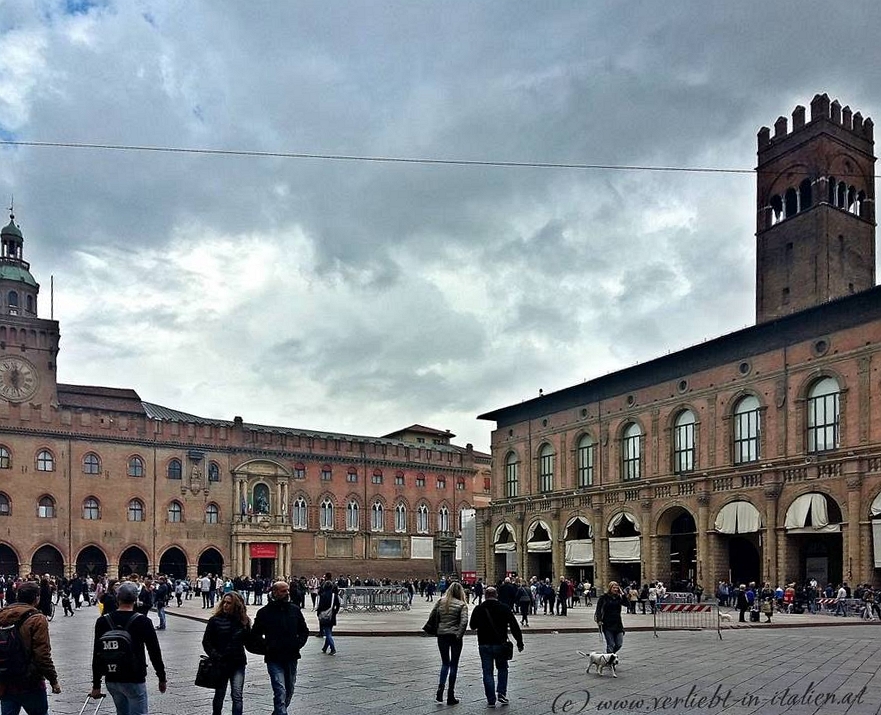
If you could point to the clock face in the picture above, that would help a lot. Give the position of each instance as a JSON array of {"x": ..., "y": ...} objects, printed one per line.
[{"x": 18, "y": 379}]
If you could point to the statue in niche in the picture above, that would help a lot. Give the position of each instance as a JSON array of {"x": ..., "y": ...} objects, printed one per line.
[
  {"x": 196, "y": 478},
  {"x": 261, "y": 499}
]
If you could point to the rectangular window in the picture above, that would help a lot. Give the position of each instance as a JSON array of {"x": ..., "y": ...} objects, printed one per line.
[
  {"x": 683, "y": 448},
  {"x": 441, "y": 483},
  {"x": 631, "y": 457},
  {"x": 546, "y": 473},
  {"x": 351, "y": 477},
  {"x": 420, "y": 481},
  {"x": 512, "y": 481},
  {"x": 376, "y": 479},
  {"x": 299, "y": 473},
  {"x": 823, "y": 422},
  {"x": 399, "y": 480},
  {"x": 585, "y": 465},
  {"x": 325, "y": 475},
  {"x": 746, "y": 437}
]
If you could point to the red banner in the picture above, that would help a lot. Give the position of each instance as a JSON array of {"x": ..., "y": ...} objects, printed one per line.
[{"x": 264, "y": 551}]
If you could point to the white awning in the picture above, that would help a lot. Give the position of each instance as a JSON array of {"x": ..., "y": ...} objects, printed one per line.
[
  {"x": 619, "y": 517},
  {"x": 624, "y": 549},
  {"x": 501, "y": 529},
  {"x": 811, "y": 503},
  {"x": 530, "y": 532},
  {"x": 738, "y": 517},
  {"x": 581, "y": 519},
  {"x": 504, "y": 548},
  {"x": 579, "y": 552},
  {"x": 876, "y": 506},
  {"x": 876, "y": 542}
]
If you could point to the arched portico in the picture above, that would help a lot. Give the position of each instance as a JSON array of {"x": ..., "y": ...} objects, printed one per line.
[
  {"x": 539, "y": 552},
  {"x": 677, "y": 548},
  {"x": 738, "y": 527},
  {"x": 579, "y": 549},
  {"x": 813, "y": 545},
  {"x": 505, "y": 551},
  {"x": 625, "y": 548}
]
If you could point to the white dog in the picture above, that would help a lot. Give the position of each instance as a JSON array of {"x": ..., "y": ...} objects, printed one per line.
[
  {"x": 725, "y": 616},
  {"x": 601, "y": 661}
]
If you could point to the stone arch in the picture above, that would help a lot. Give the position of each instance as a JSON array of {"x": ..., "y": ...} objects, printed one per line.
[
  {"x": 623, "y": 523},
  {"x": 504, "y": 534},
  {"x": 736, "y": 398},
  {"x": 673, "y": 415},
  {"x": 809, "y": 380},
  {"x": 133, "y": 560},
  {"x": 210, "y": 561},
  {"x": 91, "y": 560},
  {"x": 173, "y": 562},
  {"x": 300, "y": 493},
  {"x": 835, "y": 514},
  {"x": 48, "y": 559},
  {"x": 670, "y": 513},
  {"x": 578, "y": 526},
  {"x": 10, "y": 563}
]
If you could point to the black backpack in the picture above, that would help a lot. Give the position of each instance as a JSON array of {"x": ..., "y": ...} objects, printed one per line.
[
  {"x": 14, "y": 659},
  {"x": 116, "y": 651}
]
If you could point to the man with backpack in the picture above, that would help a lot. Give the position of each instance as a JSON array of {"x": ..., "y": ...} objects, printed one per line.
[
  {"x": 118, "y": 655},
  {"x": 25, "y": 655}
]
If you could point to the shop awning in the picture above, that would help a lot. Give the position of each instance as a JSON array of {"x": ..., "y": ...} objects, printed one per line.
[{"x": 738, "y": 517}]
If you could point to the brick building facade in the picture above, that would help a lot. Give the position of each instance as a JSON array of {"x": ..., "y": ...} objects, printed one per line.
[
  {"x": 755, "y": 456},
  {"x": 94, "y": 479}
]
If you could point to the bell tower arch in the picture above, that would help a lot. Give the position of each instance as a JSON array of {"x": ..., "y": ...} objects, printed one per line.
[{"x": 815, "y": 218}]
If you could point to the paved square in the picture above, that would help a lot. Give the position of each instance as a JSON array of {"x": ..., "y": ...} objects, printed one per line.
[{"x": 398, "y": 674}]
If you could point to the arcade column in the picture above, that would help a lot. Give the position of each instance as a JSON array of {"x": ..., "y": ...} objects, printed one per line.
[{"x": 705, "y": 557}]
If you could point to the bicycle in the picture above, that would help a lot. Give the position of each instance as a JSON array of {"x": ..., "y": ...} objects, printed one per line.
[{"x": 51, "y": 613}]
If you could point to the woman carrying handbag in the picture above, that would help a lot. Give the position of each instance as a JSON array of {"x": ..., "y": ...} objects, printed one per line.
[
  {"x": 224, "y": 642},
  {"x": 328, "y": 605},
  {"x": 452, "y": 622}
]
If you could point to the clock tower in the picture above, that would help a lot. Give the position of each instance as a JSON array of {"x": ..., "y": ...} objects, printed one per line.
[{"x": 28, "y": 345}]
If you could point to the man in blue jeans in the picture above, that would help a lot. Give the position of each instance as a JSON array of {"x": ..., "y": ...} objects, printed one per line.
[
  {"x": 126, "y": 681},
  {"x": 492, "y": 619},
  {"x": 279, "y": 633}
]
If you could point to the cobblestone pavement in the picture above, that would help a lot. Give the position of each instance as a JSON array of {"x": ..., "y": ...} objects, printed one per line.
[{"x": 395, "y": 674}]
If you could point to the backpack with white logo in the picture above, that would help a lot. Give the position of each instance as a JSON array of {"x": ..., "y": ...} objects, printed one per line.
[
  {"x": 14, "y": 659},
  {"x": 116, "y": 651}
]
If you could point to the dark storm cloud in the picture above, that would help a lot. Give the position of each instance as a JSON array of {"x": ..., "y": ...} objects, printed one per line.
[{"x": 438, "y": 290}]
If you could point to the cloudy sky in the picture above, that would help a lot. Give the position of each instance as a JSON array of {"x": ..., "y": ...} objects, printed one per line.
[{"x": 361, "y": 296}]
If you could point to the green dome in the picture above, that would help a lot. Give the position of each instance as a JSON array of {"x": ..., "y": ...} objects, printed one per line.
[
  {"x": 13, "y": 272},
  {"x": 11, "y": 230}
]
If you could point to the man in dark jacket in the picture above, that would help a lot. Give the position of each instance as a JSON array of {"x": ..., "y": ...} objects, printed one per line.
[
  {"x": 279, "y": 633},
  {"x": 507, "y": 594},
  {"x": 491, "y": 619},
  {"x": 28, "y": 691},
  {"x": 129, "y": 689}
]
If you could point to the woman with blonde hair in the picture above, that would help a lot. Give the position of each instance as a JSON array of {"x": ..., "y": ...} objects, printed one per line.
[
  {"x": 608, "y": 617},
  {"x": 452, "y": 624},
  {"x": 224, "y": 641}
]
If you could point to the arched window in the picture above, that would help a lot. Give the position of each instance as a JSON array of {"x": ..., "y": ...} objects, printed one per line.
[
  {"x": 377, "y": 477},
  {"x": 377, "y": 517},
  {"x": 584, "y": 461},
  {"x": 353, "y": 516},
  {"x": 325, "y": 515},
  {"x": 212, "y": 514},
  {"x": 91, "y": 464},
  {"x": 805, "y": 197},
  {"x": 399, "y": 478},
  {"x": 213, "y": 472},
  {"x": 299, "y": 471},
  {"x": 261, "y": 499},
  {"x": 683, "y": 442},
  {"x": 441, "y": 481},
  {"x": 30, "y": 304},
  {"x": 422, "y": 519},
  {"x": 747, "y": 430},
  {"x": 420, "y": 480},
  {"x": 546, "y": 468},
  {"x": 823, "y": 415},
  {"x": 352, "y": 475},
  {"x": 831, "y": 184},
  {"x": 135, "y": 466},
  {"x": 298, "y": 513},
  {"x": 326, "y": 473},
  {"x": 512, "y": 475},
  {"x": 852, "y": 200},
  {"x": 175, "y": 470},
  {"x": 91, "y": 509},
  {"x": 631, "y": 452},
  {"x": 136, "y": 510},
  {"x": 5, "y": 505},
  {"x": 5, "y": 458},
  {"x": 776, "y": 210},
  {"x": 460, "y": 485},
  {"x": 791, "y": 203},
  {"x": 46, "y": 508},
  {"x": 13, "y": 299},
  {"x": 400, "y": 518},
  {"x": 175, "y": 512},
  {"x": 45, "y": 461},
  {"x": 841, "y": 197},
  {"x": 443, "y": 519}
]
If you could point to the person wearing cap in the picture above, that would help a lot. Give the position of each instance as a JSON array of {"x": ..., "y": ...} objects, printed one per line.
[
  {"x": 492, "y": 619},
  {"x": 130, "y": 697}
]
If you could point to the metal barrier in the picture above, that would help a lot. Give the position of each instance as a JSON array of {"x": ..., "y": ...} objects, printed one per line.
[
  {"x": 374, "y": 598},
  {"x": 687, "y": 617}
]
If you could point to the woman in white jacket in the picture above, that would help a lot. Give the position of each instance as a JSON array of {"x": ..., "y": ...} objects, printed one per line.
[{"x": 452, "y": 623}]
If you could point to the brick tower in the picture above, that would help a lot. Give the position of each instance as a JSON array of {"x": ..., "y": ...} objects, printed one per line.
[{"x": 815, "y": 219}]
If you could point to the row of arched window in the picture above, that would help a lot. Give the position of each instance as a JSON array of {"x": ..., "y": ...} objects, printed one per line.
[
  {"x": 795, "y": 200},
  {"x": 377, "y": 477},
  {"x": 12, "y": 303},
  {"x": 91, "y": 510},
  {"x": 327, "y": 517},
  {"x": 822, "y": 424},
  {"x": 44, "y": 461}
]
